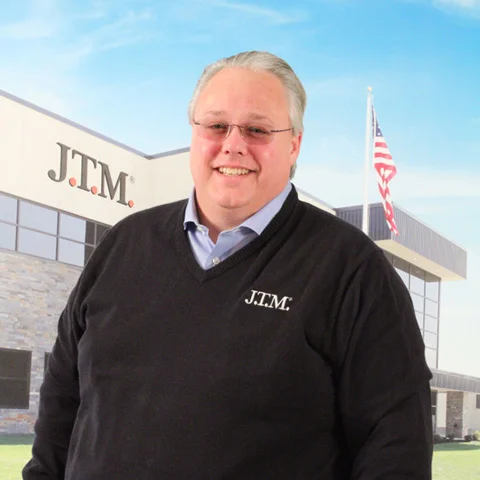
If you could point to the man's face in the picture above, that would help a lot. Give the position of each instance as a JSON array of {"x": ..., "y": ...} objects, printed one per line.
[{"x": 233, "y": 175}]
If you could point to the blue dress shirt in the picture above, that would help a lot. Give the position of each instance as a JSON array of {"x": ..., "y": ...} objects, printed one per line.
[{"x": 209, "y": 254}]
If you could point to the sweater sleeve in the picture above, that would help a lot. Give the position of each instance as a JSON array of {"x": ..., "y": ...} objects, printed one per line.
[
  {"x": 383, "y": 386},
  {"x": 59, "y": 401},
  {"x": 59, "y": 393}
]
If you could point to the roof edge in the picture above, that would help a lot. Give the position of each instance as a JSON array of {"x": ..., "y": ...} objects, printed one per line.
[
  {"x": 407, "y": 212},
  {"x": 79, "y": 126},
  {"x": 454, "y": 381},
  {"x": 168, "y": 153},
  {"x": 313, "y": 197},
  {"x": 454, "y": 374}
]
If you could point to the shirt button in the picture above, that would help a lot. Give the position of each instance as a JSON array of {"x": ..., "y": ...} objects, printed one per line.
[
  {"x": 200, "y": 229},
  {"x": 216, "y": 261}
]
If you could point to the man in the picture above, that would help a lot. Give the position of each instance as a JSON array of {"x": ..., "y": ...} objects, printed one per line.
[{"x": 242, "y": 334}]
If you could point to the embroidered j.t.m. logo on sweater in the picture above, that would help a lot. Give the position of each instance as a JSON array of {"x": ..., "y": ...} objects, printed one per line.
[{"x": 268, "y": 300}]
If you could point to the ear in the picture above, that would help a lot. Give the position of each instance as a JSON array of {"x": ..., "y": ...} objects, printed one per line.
[{"x": 295, "y": 143}]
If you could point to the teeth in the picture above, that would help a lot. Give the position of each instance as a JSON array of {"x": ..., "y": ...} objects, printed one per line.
[{"x": 233, "y": 171}]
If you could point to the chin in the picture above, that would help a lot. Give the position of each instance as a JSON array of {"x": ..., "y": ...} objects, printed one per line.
[{"x": 231, "y": 200}]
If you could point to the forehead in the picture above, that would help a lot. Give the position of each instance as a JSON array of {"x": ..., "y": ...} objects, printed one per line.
[{"x": 240, "y": 92}]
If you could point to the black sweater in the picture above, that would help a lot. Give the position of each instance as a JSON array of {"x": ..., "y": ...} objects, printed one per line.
[{"x": 298, "y": 357}]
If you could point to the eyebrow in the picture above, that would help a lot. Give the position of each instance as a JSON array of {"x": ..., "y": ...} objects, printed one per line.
[
  {"x": 251, "y": 116},
  {"x": 216, "y": 113}
]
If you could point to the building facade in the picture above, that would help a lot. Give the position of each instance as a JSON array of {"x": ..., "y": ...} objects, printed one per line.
[{"x": 64, "y": 185}]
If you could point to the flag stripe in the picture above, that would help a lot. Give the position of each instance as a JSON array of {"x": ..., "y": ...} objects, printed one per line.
[{"x": 386, "y": 170}]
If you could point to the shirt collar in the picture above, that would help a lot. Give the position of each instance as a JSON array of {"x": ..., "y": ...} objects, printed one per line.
[
  {"x": 191, "y": 215},
  {"x": 257, "y": 222}
]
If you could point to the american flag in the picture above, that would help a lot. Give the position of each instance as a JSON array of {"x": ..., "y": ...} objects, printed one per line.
[{"x": 386, "y": 170}]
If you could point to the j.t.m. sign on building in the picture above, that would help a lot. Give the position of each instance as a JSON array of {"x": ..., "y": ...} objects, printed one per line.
[{"x": 104, "y": 186}]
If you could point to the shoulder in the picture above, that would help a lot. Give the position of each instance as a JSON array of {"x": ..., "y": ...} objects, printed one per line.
[
  {"x": 167, "y": 214},
  {"x": 325, "y": 232},
  {"x": 137, "y": 230},
  {"x": 350, "y": 256}
]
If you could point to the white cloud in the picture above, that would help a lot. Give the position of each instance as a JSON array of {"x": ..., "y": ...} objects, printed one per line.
[
  {"x": 468, "y": 4},
  {"x": 42, "y": 21},
  {"x": 465, "y": 7},
  {"x": 58, "y": 41},
  {"x": 343, "y": 186},
  {"x": 129, "y": 29},
  {"x": 29, "y": 29}
]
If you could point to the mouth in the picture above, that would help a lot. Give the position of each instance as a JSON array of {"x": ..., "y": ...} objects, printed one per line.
[{"x": 233, "y": 172}]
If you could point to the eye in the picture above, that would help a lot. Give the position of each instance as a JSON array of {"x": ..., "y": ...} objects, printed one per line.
[
  {"x": 256, "y": 131},
  {"x": 217, "y": 127}
]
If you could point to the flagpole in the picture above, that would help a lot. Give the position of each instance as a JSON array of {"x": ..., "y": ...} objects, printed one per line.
[{"x": 368, "y": 144}]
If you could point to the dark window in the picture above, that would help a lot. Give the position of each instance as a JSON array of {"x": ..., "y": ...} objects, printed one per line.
[
  {"x": 434, "y": 402},
  {"x": 8, "y": 209},
  {"x": 90, "y": 235},
  {"x": 15, "y": 368},
  {"x": 478, "y": 401},
  {"x": 45, "y": 361},
  {"x": 88, "y": 252},
  {"x": 101, "y": 231}
]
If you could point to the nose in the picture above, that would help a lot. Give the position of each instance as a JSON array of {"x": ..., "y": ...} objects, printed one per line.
[{"x": 234, "y": 142}]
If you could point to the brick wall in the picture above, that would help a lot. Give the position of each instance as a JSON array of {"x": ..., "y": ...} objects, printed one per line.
[
  {"x": 457, "y": 412},
  {"x": 33, "y": 293}
]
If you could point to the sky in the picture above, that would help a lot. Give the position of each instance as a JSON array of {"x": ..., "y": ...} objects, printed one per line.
[{"x": 127, "y": 69}]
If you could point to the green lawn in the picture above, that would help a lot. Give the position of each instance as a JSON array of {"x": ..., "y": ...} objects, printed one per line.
[
  {"x": 457, "y": 461},
  {"x": 451, "y": 461},
  {"x": 15, "y": 451}
]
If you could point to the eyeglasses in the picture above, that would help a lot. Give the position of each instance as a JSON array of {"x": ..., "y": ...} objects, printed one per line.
[{"x": 253, "y": 135}]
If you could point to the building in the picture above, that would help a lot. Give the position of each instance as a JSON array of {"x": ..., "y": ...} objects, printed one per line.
[{"x": 63, "y": 185}]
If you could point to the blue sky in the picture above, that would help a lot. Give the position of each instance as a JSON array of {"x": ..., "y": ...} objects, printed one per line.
[{"x": 127, "y": 68}]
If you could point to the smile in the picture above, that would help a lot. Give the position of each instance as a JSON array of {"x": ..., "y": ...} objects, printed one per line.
[{"x": 233, "y": 171}]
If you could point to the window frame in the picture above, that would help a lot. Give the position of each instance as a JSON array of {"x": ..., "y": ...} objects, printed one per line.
[
  {"x": 89, "y": 245},
  {"x": 24, "y": 404}
]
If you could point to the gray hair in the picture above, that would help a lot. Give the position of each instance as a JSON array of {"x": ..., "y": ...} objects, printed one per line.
[{"x": 254, "y": 60}]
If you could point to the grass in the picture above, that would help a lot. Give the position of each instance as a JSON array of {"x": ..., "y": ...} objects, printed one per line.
[
  {"x": 451, "y": 461},
  {"x": 457, "y": 461},
  {"x": 15, "y": 451}
]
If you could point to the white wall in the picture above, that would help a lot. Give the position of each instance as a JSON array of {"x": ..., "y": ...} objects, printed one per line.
[
  {"x": 29, "y": 150},
  {"x": 169, "y": 178},
  {"x": 473, "y": 415},
  {"x": 305, "y": 197},
  {"x": 441, "y": 413}
]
